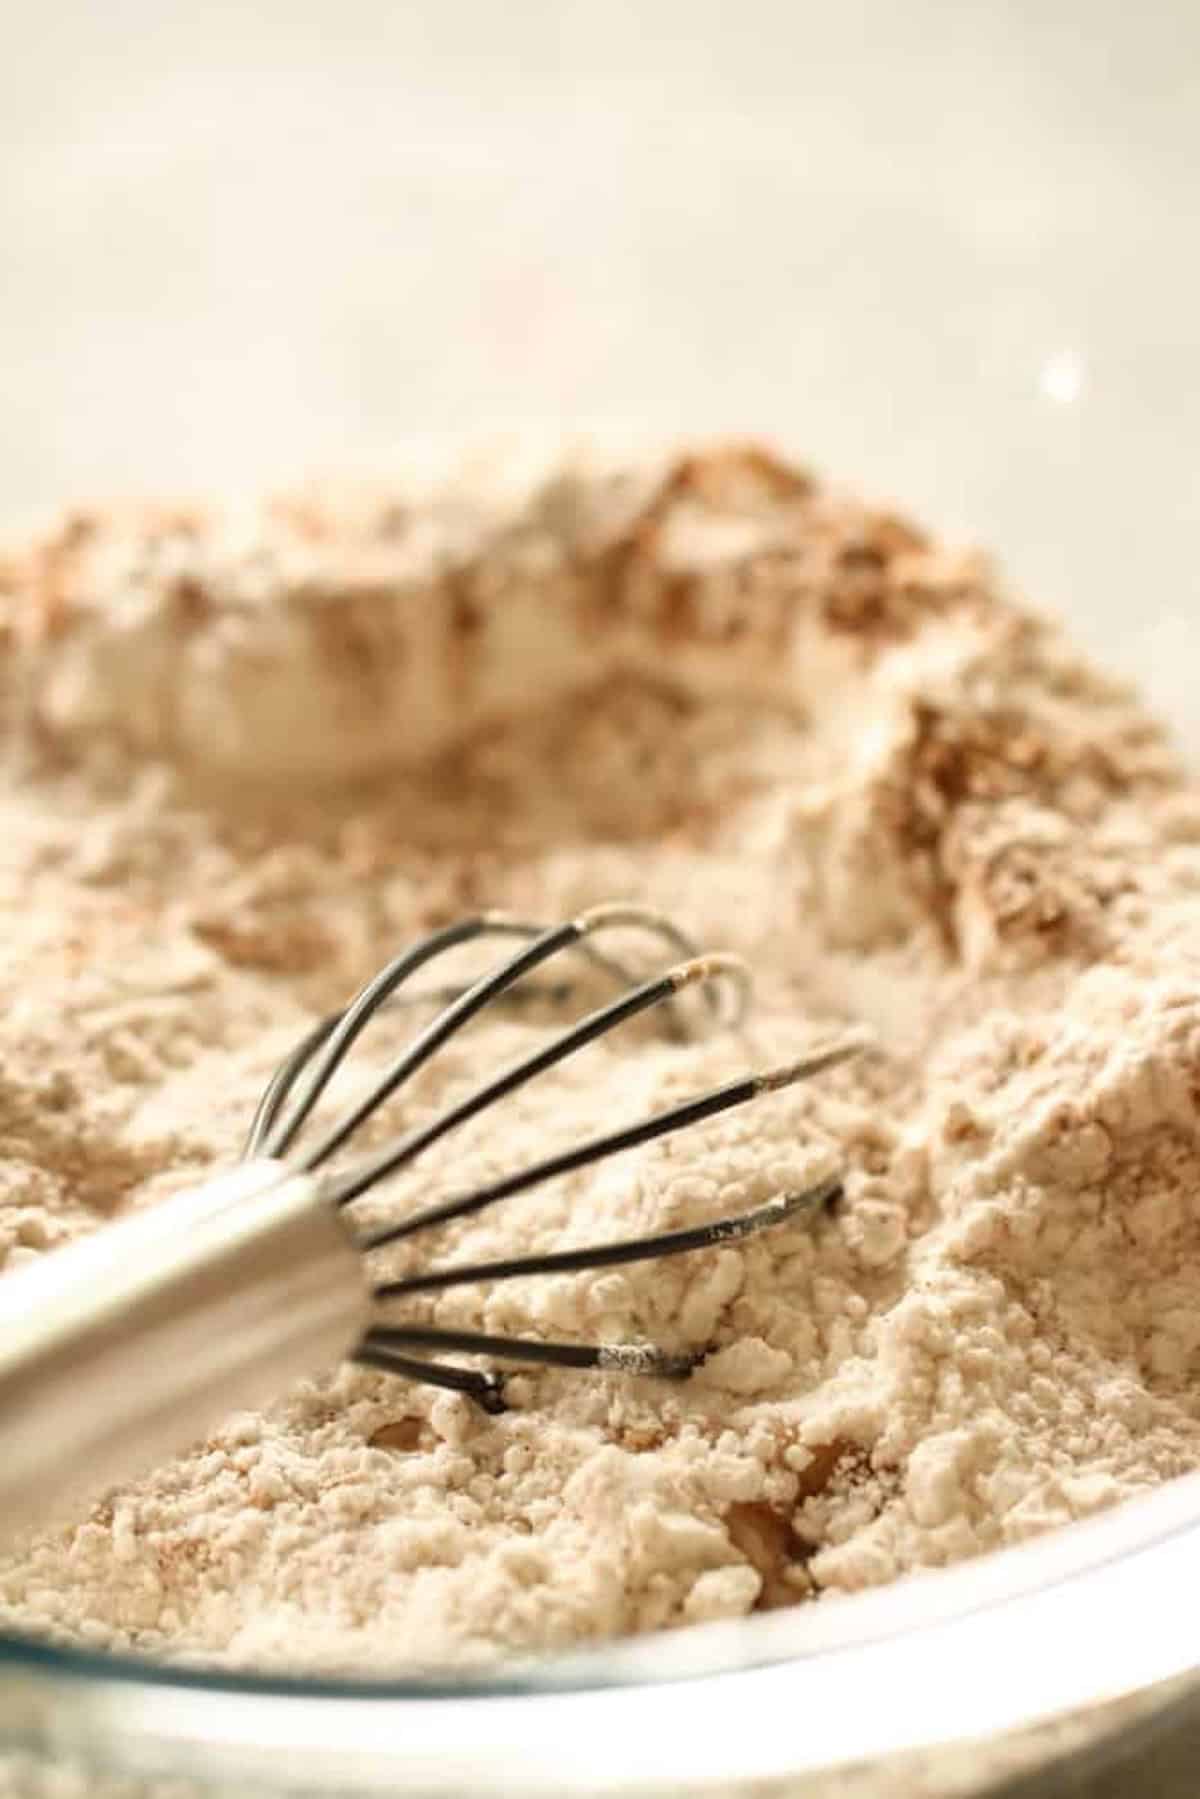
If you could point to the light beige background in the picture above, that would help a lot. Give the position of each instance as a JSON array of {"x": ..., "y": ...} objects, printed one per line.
[{"x": 949, "y": 250}]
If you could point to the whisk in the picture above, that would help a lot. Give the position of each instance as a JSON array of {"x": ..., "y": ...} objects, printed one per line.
[{"x": 137, "y": 1341}]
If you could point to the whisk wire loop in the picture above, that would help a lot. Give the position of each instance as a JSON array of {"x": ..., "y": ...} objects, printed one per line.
[
  {"x": 390, "y": 1159},
  {"x": 375, "y": 994},
  {"x": 822, "y": 1196},
  {"x": 323, "y": 1050},
  {"x": 633, "y": 1358},
  {"x": 294, "y": 1092},
  {"x": 597, "y": 1149}
]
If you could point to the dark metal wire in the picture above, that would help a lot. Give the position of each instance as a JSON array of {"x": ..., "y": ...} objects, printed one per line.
[
  {"x": 487, "y": 1390},
  {"x": 822, "y": 1197},
  {"x": 298, "y": 1085},
  {"x": 389, "y": 1160},
  {"x": 630, "y": 1359},
  {"x": 270, "y": 1135}
]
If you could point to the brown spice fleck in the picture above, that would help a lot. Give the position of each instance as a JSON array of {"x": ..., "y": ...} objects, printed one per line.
[
  {"x": 676, "y": 608},
  {"x": 826, "y": 1460},
  {"x": 766, "y": 1538},
  {"x": 283, "y": 946},
  {"x": 733, "y": 478},
  {"x": 733, "y": 471},
  {"x": 403, "y": 1434},
  {"x": 943, "y": 802},
  {"x": 191, "y": 602},
  {"x": 358, "y": 632}
]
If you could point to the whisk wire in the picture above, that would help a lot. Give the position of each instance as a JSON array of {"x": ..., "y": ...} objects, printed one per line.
[
  {"x": 633, "y": 1358},
  {"x": 822, "y": 1196},
  {"x": 303, "y": 1078},
  {"x": 382, "y": 991},
  {"x": 427, "y": 1042},
  {"x": 275, "y": 1094},
  {"x": 389, "y": 1160},
  {"x": 597, "y": 1149},
  {"x": 331, "y": 1041},
  {"x": 348, "y": 1027},
  {"x": 487, "y": 1390}
]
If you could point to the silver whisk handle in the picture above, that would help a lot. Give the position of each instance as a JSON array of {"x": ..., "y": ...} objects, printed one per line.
[{"x": 132, "y": 1344}]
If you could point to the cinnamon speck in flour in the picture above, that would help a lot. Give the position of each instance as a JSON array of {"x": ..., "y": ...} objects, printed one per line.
[{"x": 250, "y": 754}]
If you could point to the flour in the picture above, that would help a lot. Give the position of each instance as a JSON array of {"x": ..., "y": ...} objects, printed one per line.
[{"x": 249, "y": 758}]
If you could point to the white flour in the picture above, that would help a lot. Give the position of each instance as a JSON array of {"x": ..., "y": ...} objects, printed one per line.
[{"x": 810, "y": 737}]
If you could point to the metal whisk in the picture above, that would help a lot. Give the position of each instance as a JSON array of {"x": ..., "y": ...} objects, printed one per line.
[{"x": 136, "y": 1341}]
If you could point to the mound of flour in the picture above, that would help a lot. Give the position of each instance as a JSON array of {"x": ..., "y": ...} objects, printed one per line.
[{"x": 248, "y": 756}]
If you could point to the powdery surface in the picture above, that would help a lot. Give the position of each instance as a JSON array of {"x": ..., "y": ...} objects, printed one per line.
[{"x": 814, "y": 738}]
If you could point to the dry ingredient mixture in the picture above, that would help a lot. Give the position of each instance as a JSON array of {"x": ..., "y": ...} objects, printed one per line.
[{"x": 248, "y": 756}]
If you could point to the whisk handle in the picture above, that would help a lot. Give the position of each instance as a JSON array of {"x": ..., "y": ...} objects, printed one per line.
[{"x": 132, "y": 1344}]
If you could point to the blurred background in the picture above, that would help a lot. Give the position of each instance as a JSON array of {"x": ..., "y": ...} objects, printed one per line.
[{"x": 946, "y": 251}]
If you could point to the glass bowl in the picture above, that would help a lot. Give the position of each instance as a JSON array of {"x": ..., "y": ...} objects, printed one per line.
[{"x": 1075, "y": 1621}]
